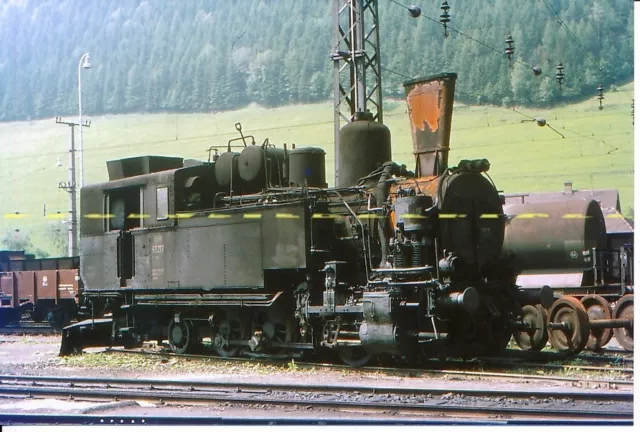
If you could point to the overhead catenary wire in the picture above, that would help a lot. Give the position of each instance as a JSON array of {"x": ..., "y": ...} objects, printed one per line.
[
  {"x": 453, "y": 29},
  {"x": 577, "y": 41}
]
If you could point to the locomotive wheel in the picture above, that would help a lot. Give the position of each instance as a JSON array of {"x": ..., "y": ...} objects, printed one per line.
[
  {"x": 537, "y": 337},
  {"x": 228, "y": 330},
  {"x": 597, "y": 308},
  {"x": 570, "y": 312},
  {"x": 624, "y": 310},
  {"x": 58, "y": 317},
  {"x": 182, "y": 336},
  {"x": 354, "y": 356}
]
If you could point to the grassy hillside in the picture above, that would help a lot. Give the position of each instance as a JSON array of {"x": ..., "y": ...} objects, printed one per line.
[{"x": 596, "y": 153}]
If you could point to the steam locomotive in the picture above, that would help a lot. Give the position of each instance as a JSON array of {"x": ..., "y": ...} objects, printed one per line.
[{"x": 252, "y": 252}]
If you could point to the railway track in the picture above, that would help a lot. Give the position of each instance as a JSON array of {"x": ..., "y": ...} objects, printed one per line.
[
  {"x": 30, "y": 329},
  {"x": 459, "y": 403},
  {"x": 462, "y": 369}
]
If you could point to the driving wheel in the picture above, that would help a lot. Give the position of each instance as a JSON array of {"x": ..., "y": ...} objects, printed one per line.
[
  {"x": 597, "y": 308},
  {"x": 183, "y": 337},
  {"x": 354, "y": 356},
  {"x": 568, "y": 325},
  {"x": 536, "y": 337},
  {"x": 624, "y": 310}
]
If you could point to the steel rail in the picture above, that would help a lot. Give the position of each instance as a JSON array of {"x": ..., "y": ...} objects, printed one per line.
[
  {"x": 30, "y": 330},
  {"x": 240, "y": 386},
  {"x": 438, "y": 407},
  {"x": 391, "y": 370},
  {"x": 92, "y": 420}
]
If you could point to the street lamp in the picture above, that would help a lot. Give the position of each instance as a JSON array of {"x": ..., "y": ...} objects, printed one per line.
[{"x": 84, "y": 63}]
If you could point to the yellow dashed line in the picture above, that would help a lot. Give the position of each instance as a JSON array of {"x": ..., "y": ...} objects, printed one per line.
[
  {"x": 325, "y": 216},
  {"x": 574, "y": 216},
  {"x": 532, "y": 215},
  {"x": 253, "y": 216},
  {"x": 15, "y": 216},
  {"x": 412, "y": 216},
  {"x": 370, "y": 216},
  {"x": 286, "y": 216},
  {"x": 181, "y": 216},
  {"x": 138, "y": 216},
  {"x": 447, "y": 216},
  {"x": 219, "y": 216},
  {"x": 489, "y": 216},
  {"x": 98, "y": 216},
  {"x": 615, "y": 216}
]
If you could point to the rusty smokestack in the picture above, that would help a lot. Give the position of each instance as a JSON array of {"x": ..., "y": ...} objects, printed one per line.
[{"x": 430, "y": 102}]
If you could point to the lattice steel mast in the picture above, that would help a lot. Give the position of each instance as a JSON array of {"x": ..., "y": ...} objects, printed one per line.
[{"x": 357, "y": 83}]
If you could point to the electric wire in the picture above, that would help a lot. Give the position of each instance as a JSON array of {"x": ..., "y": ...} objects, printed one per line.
[{"x": 577, "y": 41}]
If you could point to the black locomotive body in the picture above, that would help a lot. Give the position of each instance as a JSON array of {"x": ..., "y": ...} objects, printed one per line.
[{"x": 257, "y": 255}]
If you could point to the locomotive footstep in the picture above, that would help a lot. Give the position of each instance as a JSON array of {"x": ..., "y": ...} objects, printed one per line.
[
  {"x": 536, "y": 337},
  {"x": 568, "y": 325}
]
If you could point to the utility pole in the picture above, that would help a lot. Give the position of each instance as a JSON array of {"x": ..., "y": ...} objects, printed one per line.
[
  {"x": 70, "y": 186},
  {"x": 356, "y": 51}
]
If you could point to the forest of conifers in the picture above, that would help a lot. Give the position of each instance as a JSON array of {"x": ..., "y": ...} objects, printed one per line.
[{"x": 212, "y": 55}]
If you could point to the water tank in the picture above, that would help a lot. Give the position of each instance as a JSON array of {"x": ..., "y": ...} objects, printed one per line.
[
  {"x": 307, "y": 163},
  {"x": 364, "y": 145},
  {"x": 227, "y": 164},
  {"x": 554, "y": 235},
  {"x": 261, "y": 167}
]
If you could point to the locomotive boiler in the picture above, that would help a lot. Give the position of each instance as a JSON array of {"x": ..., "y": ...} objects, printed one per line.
[{"x": 252, "y": 254}]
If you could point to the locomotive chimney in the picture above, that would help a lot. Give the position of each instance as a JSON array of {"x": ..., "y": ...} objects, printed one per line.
[{"x": 430, "y": 103}]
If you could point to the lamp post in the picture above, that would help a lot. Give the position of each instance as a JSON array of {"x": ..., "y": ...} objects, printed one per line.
[{"x": 84, "y": 63}]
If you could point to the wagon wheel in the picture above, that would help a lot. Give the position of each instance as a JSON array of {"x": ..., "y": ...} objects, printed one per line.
[
  {"x": 183, "y": 336},
  {"x": 354, "y": 356},
  {"x": 624, "y": 310},
  {"x": 227, "y": 330},
  {"x": 536, "y": 337},
  {"x": 597, "y": 308},
  {"x": 573, "y": 336}
]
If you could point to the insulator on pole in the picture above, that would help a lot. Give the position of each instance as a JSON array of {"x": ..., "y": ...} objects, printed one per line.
[
  {"x": 445, "y": 17},
  {"x": 560, "y": 73},
  {"x": 510, "y": 49},
  {"x": 414, "y": 11},
  {"x": 600, "y": 96}
]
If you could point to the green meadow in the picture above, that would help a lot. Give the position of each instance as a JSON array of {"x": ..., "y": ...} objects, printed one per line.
[{"x": 596, "y": 151}]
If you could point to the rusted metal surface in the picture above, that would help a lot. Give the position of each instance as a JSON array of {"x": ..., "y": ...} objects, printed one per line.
[
  {"x": 430, "y": 102},
  {"x": 26, "y": 286},
  {"x": 624, "y": 310},
  {"x": 67, "y": 283},
  {"x": 568, "y": 325},
  {"x": 423, "y": 185}
]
